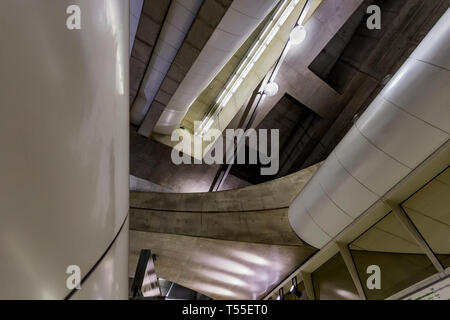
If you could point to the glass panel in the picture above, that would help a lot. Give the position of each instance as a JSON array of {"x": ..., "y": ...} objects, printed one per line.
[
  {"x": 388, "y": 245},
  {"x": 332, "y": 281}
]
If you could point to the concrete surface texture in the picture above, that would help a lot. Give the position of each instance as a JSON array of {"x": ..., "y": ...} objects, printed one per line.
[
  {"x": 234, "y": 244},
  {"x": 335, "y": 73}
]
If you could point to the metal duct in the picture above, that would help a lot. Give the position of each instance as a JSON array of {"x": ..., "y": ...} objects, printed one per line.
[{"x": 405, "y": 124}]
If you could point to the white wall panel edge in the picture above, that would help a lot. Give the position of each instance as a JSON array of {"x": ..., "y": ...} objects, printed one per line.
[{"x": 109, "y": 279}]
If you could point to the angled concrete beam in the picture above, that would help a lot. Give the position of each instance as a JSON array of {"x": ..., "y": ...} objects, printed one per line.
[
  {"x": 409, "y": 225},
  {"x": 307, "y": 280},
  {"x": 350, "y": 264}
]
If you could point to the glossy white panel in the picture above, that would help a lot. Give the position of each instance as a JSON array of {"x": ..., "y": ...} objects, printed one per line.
[
  {"x": 323, "y": 211},
  {"x": 237, "y": 23},
  {"x": 179, "y": 97},
  {"x": 435, "y": 48},
  {"x": 406, "y": 138},
  {"x": 338, "y": 184},
  {"x": 304, "y": 226},
  {"x": 180, "y": 16},
  {"x": 109, "y": 279},
  {"x": 223, "y": 40},
  {"x": 420, "y": 89},
  {"x": 173, "y": 35},
  {"x": 408, "y": 121},
  {"x": 64, "y": 136},
  {"x": 169, "y": 116},
  {"x": 213, "y": 56},
  {"x": 135, "y": 13},
  {"x": 369, "y": 165},
  {"x": 136, "y": 7}
]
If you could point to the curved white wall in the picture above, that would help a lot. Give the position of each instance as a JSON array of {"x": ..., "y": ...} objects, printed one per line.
[
  {"x": 63, "y": 140},
  {"x": 240, "y": 20},
  {"x": 404, "y": 125}
]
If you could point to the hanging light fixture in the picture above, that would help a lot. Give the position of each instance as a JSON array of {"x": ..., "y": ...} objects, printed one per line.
[
  {"x": 271, "y": 89},
  {"x": 297, "y": 35},
  {"x": 294, "y": 285},
  {"x": 280, "y": 294}
]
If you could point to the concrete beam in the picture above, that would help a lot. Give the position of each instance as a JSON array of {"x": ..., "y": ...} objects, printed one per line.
[
  {"x": 350, "y": 264},
  {"x": 398, "y": 211}
]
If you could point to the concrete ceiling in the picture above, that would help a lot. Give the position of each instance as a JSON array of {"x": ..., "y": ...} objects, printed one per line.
[
  {"x": 206, "y": 99},
  {"x": 336, "y": 73}
]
